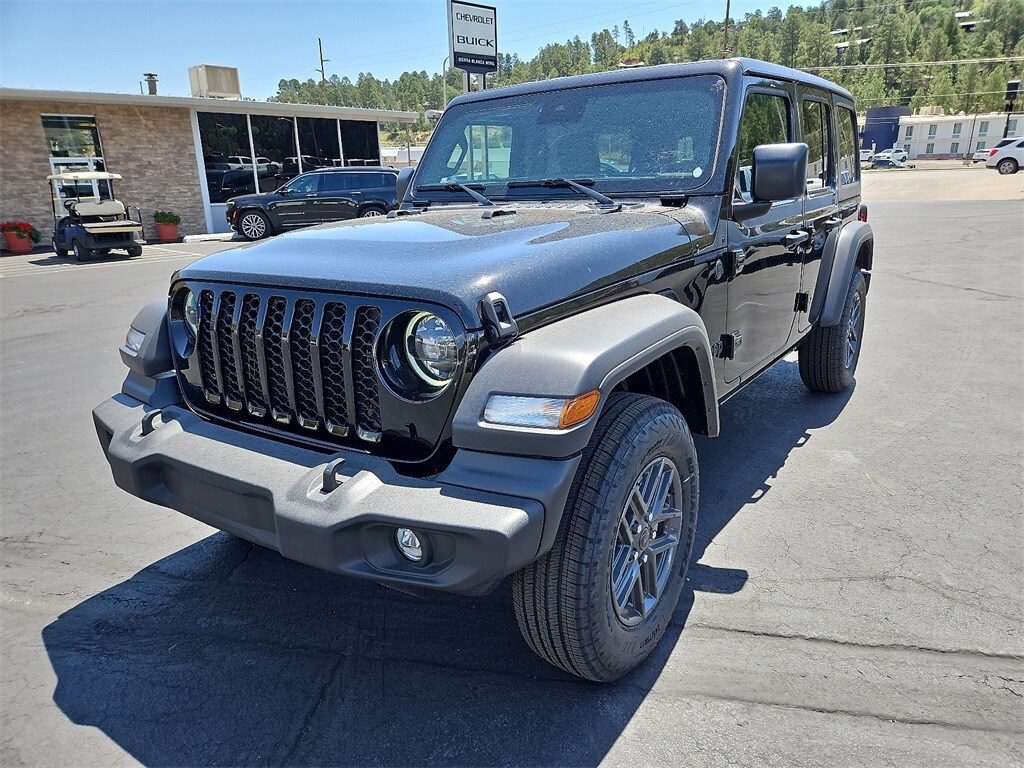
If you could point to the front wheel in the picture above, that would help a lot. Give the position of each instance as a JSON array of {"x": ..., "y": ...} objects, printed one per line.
[
  {"x": 253, "y": 225},
  {"x": 134, "y": 251},
  {"x": 1007, "y": 166},
  {"x": 597, "y": 604},
  {"x": 81, "y": 252},
  {"x": 828, "y": 356}
]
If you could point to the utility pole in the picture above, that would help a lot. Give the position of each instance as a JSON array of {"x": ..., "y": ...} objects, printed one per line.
[
  {"x": 323, "y": 73},
  {"x": 444, "y": 84},
  {"x": 726, "y": 50}
]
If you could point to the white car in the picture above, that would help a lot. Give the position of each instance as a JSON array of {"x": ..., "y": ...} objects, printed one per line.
[
  {"x": 1006, "y": 157},
  {"x": 240, "y": 161},
  {"x": 980, "y": 156},
  {"x": 867, "y": 155},
  {"x": 894, "y": 153}
]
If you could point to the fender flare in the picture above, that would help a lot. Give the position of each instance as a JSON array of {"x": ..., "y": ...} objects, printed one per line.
[
  {"x": 151, "y": 377},
  {"x": 596, "y": 349},
  {"x": 838, "y": 263}
]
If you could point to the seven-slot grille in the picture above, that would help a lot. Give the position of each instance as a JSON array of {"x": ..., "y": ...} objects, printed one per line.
[{"x": 291, "y": 360}]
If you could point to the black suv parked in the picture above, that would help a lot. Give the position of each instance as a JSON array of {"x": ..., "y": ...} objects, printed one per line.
[
  {"x": 317, "y": 197},
  {"x": 503, "y": 376}
]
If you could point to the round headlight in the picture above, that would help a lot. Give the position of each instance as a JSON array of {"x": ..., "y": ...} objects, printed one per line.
[
  {"x": 190, "y": 310},
  {"x": 432, "y": 349}
]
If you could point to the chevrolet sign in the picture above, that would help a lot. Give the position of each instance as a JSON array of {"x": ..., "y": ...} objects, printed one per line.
[{"x": 473, "y": 37}]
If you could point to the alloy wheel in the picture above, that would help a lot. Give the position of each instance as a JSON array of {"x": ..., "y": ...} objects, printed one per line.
[
  {"x": 646, "y": 541},
  {"x": 854, "y": 330},
  {"x": 253, "y": 226}
]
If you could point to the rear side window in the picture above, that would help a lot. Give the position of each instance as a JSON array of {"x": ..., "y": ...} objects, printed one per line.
[
  {"x": 816, "y": 135},
  {"x": 335, "y": 182},
  {"x": 765, "y": 120},
  {"x": 849, "y": 168}
]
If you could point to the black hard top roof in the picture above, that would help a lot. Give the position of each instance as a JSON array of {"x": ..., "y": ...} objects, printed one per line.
[
  {"x": 727, "y": 68},
  {"x": 354, "y": 169}
]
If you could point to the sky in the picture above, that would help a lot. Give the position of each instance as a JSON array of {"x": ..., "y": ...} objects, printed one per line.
[{"x": 84, "y": 45}]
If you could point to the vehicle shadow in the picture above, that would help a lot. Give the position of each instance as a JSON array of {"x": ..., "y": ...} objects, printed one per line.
[{"x": 225, "y": 653}]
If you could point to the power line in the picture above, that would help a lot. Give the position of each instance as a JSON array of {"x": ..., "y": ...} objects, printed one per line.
[{"x": 951, "y": 62}]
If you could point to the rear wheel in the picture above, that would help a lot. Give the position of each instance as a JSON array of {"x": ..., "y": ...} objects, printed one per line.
[
  {"x": 371, "y": 212},
  {"x": 1007, "y": 166},
  {"x": 135, "y": 251},
  {"x": 60, "y": 250},
  {"x": 253, "y": 225},
  {"x": 81, "y": 252},
  {"x": 597, "y": 604},
  {"x": 828, "y": 356}
]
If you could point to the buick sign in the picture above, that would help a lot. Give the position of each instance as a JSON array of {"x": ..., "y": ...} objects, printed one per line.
[{"x": 474, "y": 37}]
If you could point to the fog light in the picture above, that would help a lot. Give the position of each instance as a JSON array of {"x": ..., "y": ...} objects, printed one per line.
[{"x": 409, "y": 544}]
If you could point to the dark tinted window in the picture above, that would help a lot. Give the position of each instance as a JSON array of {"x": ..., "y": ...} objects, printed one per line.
[
  {"x": 816, "y": 136},
  {"x": 336, "y": 182},
  {"x": 849, "y": 167},
  {"x": 765, "y": 121},
  {"x": 308, "y": 183}
]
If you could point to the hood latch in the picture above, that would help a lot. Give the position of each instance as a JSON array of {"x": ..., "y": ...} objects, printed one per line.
[{"x": 497, "y": 319}]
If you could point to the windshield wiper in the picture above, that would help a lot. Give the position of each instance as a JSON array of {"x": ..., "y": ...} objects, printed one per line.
[
  {"x": 454, "y": 186},
  {"x": 606, "y": 202}
]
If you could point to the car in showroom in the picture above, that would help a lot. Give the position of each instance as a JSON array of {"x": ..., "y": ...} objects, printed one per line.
[
  {"x": 1006, "y": 157},
  {"x": 316, "y": 197},
  {"x": 503, "y": 377},
  {"x": 867, "y": 155}
]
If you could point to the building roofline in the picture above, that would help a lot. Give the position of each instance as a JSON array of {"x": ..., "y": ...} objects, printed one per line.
[{"x": 209, "y": 105}]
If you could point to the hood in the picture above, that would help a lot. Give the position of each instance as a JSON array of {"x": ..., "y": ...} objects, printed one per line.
[{"x": 536, "y": 257}]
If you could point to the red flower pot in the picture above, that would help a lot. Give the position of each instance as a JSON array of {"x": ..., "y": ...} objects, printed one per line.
[
  {"x": 16, "y": 244},
  {"x": 166, "y": 231}
]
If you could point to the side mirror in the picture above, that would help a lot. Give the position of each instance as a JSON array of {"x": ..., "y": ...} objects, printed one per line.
[
  {"x": 284, "y": 191},
  {"x": 403, "y": 182},
  {"x": 779, "y": 172}
]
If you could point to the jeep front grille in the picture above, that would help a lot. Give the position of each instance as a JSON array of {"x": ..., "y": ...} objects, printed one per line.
[{"x": 291, "y": 361}]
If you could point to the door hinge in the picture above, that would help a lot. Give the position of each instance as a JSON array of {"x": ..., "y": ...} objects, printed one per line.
[
  {"x": 734, "y": 261},
  {"x": 803, "y": 302},
  {"x": 727, "y": 345}
]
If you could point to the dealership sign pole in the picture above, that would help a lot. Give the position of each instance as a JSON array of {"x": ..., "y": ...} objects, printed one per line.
[{"x": 473, "y": 39}]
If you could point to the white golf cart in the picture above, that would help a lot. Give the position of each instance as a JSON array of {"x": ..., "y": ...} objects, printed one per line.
[{"x": 87, "y": 224}]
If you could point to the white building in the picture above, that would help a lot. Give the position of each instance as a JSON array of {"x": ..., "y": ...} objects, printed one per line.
[{"x": 939, "y": 136}]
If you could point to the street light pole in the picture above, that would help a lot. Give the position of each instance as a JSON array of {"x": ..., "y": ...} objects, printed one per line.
[
  {"x": 444, "y": 83},
  {"x": 725, "y": 38},
  {"x": 323, "y": 73}
]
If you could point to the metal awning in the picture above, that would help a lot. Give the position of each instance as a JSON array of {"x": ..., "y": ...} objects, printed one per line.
[{"x": 83, "y": 176}]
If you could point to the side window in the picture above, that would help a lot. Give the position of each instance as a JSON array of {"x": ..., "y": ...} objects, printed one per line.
[
  {"x": 335, "y": 182},
  {"x": 765, "y": 121},
  {"x": 849, "y": 168},
  {"x": 816, "y": 135},
  {"x": 304, "y": 184}
]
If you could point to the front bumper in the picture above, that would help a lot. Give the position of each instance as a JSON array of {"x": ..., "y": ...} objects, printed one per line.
[{"x": 272, "y": 493}]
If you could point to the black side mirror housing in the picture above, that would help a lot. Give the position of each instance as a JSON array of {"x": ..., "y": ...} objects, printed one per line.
[
  {"x": 779, "y": 172},
  {"x": 403, "y": 182}
]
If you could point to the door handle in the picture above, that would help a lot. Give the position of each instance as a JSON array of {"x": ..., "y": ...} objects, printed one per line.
[{"x": 796, "y": 237}]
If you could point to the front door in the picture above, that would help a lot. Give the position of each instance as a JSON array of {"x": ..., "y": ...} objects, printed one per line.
[
  {"x": 765, "y": 252},
  {"x": 297, "y": 203},
  {"x": 339, "y": 196}
]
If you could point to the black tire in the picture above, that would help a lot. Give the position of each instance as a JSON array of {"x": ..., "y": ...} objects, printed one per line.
[
  {"x": 563, "y": 601},
  {"x": 81, "y": 252},
  {"x": 135, "y": 251},
  {"x": 372, "y": 211},
  {"x": 827, "y": 363},
  {"x": 254, "y": 225},
  {"x": 1007, "y": 166},
  {"x": 61, "y": 251}
]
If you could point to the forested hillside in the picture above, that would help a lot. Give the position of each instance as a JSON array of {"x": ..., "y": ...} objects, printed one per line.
[{"x": 803, "y": 37}]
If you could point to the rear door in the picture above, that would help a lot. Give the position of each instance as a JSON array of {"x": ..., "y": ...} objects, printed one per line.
[
  {"x": 338, "y": 196},
  {"x": 821, "y": 201}
]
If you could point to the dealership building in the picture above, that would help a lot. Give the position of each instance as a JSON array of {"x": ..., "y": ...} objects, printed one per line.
[{"x": 182, "y": 154}]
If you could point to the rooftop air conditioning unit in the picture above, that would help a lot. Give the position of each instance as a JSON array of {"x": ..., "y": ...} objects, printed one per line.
[
  {"x": 208, "y": 81},
  {"x": 931, "y": 111}
]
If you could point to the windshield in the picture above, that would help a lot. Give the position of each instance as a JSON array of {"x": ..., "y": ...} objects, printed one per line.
[{"x": 645, "y": 136}]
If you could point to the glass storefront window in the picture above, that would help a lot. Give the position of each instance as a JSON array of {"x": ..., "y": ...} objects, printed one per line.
[
  {"x": 274, "y": 140},
  {"x": 362, "y": 146},
  {"x": 225, "y": 141},
  {"x": 72, "y": 136},
  {"x": 318, "y": 141}
]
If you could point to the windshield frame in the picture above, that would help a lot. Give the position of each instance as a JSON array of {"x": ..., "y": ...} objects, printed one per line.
[{"x": 508, "y": 190}]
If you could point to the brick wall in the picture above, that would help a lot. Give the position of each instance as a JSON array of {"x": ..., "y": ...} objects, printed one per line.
[{"x": 151, "y": 147}]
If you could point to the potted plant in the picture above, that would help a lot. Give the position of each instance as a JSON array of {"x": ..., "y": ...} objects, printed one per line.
[
  {"x": 166, "y": 225},
  {"x": 20, "y": 236}
]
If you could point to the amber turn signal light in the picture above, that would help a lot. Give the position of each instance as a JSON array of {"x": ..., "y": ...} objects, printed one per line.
[{"x": 579, "y": 409}]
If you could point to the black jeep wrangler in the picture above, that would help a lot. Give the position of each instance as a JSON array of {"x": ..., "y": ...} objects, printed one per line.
[{"x": 502, "y": 377}]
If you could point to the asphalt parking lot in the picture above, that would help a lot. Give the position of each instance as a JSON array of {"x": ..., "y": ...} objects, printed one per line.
[{"x": 855, "y": 598}]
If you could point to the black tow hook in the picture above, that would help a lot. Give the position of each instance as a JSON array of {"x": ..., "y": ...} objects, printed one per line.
[
  {"x": 332, "y": 476},
  {"x": 148, "y": 421}
]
